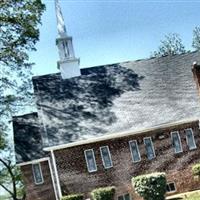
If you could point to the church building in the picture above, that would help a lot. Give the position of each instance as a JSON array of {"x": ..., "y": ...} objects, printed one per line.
[{"x": 100, "y": 126}]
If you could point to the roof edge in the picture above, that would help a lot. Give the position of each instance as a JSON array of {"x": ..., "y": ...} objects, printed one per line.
[
  {"x": 14, "y": 117},
  {"x": 120, "y": 134},
  {"x": 33, "y": 161}
]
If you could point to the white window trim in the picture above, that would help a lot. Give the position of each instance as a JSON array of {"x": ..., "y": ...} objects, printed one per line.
[
  {"x": 151, "y": 145},
  {"x": 108, "y": 155},
  {"x": 36, "y": 183},
  {"x": 174, "y": 187},
  {"x": 137, "y": 150},
  {"x": 87, "y": 160},
  {"x": 192, "y": 138},
  {"x": 179, "y": 140}
]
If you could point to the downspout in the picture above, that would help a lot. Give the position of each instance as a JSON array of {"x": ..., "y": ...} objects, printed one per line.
[
  {"x": 52, "y": 179},
  {"x": 56, "y": 175}
]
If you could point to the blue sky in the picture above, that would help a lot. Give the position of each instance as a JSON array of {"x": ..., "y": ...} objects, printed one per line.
[{"x": 113, "y": 31}]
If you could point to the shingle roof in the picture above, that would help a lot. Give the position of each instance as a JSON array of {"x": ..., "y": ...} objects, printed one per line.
[
  {"x": 27, "y": 138},
  {"x": 118, "y": 97}
]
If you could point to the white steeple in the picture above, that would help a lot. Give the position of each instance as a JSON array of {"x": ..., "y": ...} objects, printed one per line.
[{"x": 68, "y": 63}]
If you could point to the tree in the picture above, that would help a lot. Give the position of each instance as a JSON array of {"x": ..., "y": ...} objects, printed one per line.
[
  {"x": 10, "y": 180},
  {"x": 19, "y": 33},
  {"x": 196, "y": 38},
  {"x": 150, "y": 186},
  {"x": 104, "y": 193},
  {"x": 171, "y": 45}
]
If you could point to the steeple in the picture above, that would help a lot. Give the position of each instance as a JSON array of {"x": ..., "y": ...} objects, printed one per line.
[{"x": 68, "y": 63}]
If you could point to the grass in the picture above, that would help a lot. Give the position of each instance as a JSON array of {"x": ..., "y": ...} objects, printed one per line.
[{"x": 186, "y": 196}]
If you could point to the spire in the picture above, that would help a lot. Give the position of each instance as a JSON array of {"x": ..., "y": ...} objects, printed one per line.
[
  {"x": 68, "y": 63},
  {"x": 60, "y": 20}
]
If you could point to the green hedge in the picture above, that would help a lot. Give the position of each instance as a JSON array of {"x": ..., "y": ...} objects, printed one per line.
[
  {"x": 196, "y": 169},
  {"x": 73, "y": 197},
  {"x": 150, "y": 186},
  {"x": 106, "y": 193}
]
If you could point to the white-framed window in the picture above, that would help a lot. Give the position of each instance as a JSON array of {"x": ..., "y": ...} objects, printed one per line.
[
  {"x": 106, "y": 157},
  {"x": 170, "y": 187},
  {"x": 176, "y": 142},
  {"x": 190, "y": 139},
  {"x": 149, "y": 148},
  {"x": 135, "y": 154},
  {"x": 37, "y": 173},
  {"x": 124, "y": 197},
  {"x": 90, "y": 160}
]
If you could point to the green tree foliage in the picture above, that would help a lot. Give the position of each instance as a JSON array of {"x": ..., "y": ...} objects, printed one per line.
[
  {"x": 170, "y": 45},
  {"x": 196, "y": 169},
  {"x": 10, "y": 180},
  {"x": 196, "y": 38},
  {"x": 19, "y": 33},
  {"x": 73, "y": 197},
  {"x": 150, "y": 186},
  {"x": 106, "y": 193}
]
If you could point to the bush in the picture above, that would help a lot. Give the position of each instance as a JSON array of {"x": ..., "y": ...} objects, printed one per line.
[
  {"x": 150, "y": 186},
  {"x": 106, "y": 193},
  {"x": 196, "y": 169},
  {"x": 73, "y": 197}
]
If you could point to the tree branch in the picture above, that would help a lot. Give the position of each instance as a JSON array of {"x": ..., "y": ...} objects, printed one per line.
[
  {"x": 8, "y": 166},
  {"x": 5, "y": 188}
]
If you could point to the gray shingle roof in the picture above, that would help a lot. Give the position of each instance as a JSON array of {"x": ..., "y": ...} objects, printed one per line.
[
  {"x": 118, "y": 97},
  {"x": 27, "y": 138}
]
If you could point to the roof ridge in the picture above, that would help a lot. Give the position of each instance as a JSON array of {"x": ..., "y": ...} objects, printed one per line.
[{"x": 117, "y": 63}]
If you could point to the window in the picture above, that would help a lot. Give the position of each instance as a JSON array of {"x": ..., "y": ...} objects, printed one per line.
[
  {"x": 106, "y": 157},
  {"x": 37, "y": 173},
  {"x": 90, "y": 160},
  {"x": 190, "y": 139},
  {"x": 149, "y": 148},
  {"x": 134, "y": 151},
  {"x": 124, "y": 197},
  {"x": 176, "y": 142},
  {"x": 171, "y": 187}
]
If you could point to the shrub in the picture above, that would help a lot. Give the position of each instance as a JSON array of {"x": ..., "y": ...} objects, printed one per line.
[
  {"x": 106, "y": 193},
  {"x": 196, "y": 169},
  {"x": 73, "y": 197},
  {"x": 150, "y": 186}
]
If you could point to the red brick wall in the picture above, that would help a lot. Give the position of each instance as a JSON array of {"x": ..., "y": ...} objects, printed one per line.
[
  {"x": 74, "y": 177},
  {"x": 43, "y": 191}
]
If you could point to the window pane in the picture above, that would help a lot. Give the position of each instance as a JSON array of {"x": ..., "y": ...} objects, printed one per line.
[
  {"x": 149, "y": 148},
  {"x": 120, "y": 198},
  {"x": 90, "y": 159},
  {"x": 190, "y": 139},
  {"x": 105, "y": 154},
  {"x": 37, "y": 173},
  {"x": 134, "y": 150},
  {"x": 176, "y": 142},
  {"x": 172, "y": 187},
  {"x": 126, "y": 197}
]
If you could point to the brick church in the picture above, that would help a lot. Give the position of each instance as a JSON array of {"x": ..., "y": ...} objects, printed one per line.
[{"x": 101, "y": 126}]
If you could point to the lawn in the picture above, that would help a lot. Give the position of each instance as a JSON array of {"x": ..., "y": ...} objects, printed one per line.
[{"x": 186, "y": 196}]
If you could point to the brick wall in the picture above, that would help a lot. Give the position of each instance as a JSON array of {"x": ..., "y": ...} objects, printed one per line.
[
  {"x": 43, "y": 191},
  {"x": 75, "y": 178}
]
